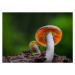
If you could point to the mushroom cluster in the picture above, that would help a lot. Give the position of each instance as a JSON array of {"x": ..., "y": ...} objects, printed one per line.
[{"x": 48, "y": 36}]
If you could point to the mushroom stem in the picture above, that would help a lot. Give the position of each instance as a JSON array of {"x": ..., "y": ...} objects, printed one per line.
[
  {"x": 50, "y": 47},
  {"x": 37, "y": 49}
]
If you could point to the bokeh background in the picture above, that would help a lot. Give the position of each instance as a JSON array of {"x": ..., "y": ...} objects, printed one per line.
[{"x": 19, "y": 30}]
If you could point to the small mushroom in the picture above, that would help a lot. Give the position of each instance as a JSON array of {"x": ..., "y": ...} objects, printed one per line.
[
  {"x": 48, "y": 36},
  {"x": 34, "y": 46}
]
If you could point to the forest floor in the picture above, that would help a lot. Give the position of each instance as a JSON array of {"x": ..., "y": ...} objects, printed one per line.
[{"x": 28, "y": 57}]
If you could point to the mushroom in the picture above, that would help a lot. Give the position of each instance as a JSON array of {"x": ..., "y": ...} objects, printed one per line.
[
  {"x": 48, "y": 36},
  {"x": 34, "y": 46}
]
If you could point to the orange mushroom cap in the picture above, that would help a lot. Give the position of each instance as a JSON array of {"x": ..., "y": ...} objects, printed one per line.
[
  {"x": 40, "y": 35},
  {"x": 31, "y": 45}
]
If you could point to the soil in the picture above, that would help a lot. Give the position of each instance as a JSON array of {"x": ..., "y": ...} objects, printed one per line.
[{"x": 28, "y": 57}]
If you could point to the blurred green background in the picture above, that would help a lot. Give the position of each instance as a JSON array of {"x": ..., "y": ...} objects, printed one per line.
[{"x": 19, "y": 30}]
